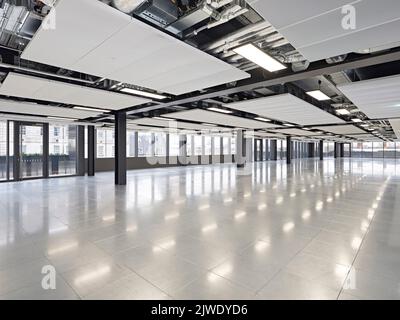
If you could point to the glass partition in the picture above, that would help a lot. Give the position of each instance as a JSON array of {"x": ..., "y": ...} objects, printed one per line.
[
  {"x": 377, "y": 149},
  {"x": 173, "y": 145},
  {"x": 160, "y": 144},
  {"x": 389, "y": 150},
  {"x": 368, "y": 150},
  {"x": 62, "y": 149}
]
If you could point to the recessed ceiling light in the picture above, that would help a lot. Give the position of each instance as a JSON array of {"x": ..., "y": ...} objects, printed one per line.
[
  {"x": 356, "y": 120},
  {"x": 143, "y": 93},
  {"x": 259, "y": 57},
  {"x": 219, "y": 110},
  {"x": 262, "y": 119},
  {"x": 319, "y": 95},
  {"x": 61, "y": 118},
  {"x": 342, "y": 111},
  {"x": 91, "y": 109},
  {"x": 165, "y": 119}
]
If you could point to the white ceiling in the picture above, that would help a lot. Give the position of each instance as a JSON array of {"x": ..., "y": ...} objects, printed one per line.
[
  {"x": 94, "y": 38},
  {"x": 314, "y": 27},
  {"x": 377, "y": 98},
  {"x": 24, "y": 86},
  {"x": 174, "y": 124},
  {"x": 286, "y": 107},
  {"x": 396, "y": 127},
  {"x": 43, "y": 110},
  {"x": 205, "y": 116},
  {"x": 296, "y": 132},
  {"x": 345, "y": 129}
]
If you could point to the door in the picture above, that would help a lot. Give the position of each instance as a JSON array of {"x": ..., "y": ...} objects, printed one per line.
[{"x": 29, "y": 151}]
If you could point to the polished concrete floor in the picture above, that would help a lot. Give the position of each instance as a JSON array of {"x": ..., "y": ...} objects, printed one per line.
[{"x": 316, "y": 230}]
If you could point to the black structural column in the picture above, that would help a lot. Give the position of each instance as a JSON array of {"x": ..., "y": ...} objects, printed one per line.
[
  {"x": 341, "y": 150},
  {"x": 336, "y": 150},
  {"x": 311, "y": 150},
  {"x": 321, "y": 150},
  {"x": 183, "y": 149},
  {"x": 289, "y": 150},
  {"x": 274, "y": 150},
  {"x": 91, "y": 151},
  {"x": 120, "y": 148},
  {"x": 46, "y": 150},
  {"x": 80, "y": 154},
  {"x": 240, "y": 149}
]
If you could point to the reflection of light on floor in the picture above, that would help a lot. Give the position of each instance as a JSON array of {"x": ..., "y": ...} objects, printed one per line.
[
  {"x": 240, "y": 215},
  {"x": 262, "y": 206},
  {"x": 224, "y": 270},
  {"x": 293, "y": 194},
  {"x": 58, "y": 229},
  {"x": 63, "y": 248},
  {"x": 171, "y": 216},
  {"x": 279, "y": 200},
  {"x": 364, "y": 225},
  {"x": 204, "y": 207},
  {"x": 356, "y": 243},
  {"x": 306, "y": 215},
  {"x": 329, "y": 199},
  {"x": 179, "y": 201},
  {"x": 319, "y": 206},
  {"x": 228, "y": 200},
  {"x": 92, "y": 275},
  {"x": 341, "y": 270},
  {"x": 109, "y": 218},
  {"x": 131, "y": 228},
  {"x": 212, "y": 277},
  {"x": 261, "y": 245},
  {"x": 164, "y": 245},
  {"x": 288, "y": 226},
  {"x": 209, "y": 227},
  {"x": 247, "y": 195},
  {"x": 371, "y": 213}
]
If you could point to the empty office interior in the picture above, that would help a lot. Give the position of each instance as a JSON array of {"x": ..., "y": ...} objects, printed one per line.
[{"x": 199, "y": 149}]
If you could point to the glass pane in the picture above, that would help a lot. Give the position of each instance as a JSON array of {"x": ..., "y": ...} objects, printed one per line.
[
  {"x": 390, "y": 150},
  {"x": 11, "y": 149},
  {"x": 173, "y": 145},
  {"x": 189, "y": 145},
  {"x": 31, "y": 138},
  {"x": 105, "y": 143},
  {"x": 207, "y": 145},
  {"x": 130, "y": 143},
  {"x": 144, "y": 144},
  {"x": 233, "y": 145},
  {"x": 367, "y": 150},
  {"x": 378, "y": 149},
  {"x": 3, "y": 150},
  {"x": 226, "y": 145},
  {"x": 160, "y": 144},
  {"x": 217, "y": 146},
  {"x": 62, "y": 150},
  {"x": 356, "y": 151},
  {"x": 198, "y": 145}
]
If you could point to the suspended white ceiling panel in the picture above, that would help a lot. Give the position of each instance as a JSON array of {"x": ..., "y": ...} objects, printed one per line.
[
  {"x": 174, "y": 124},
  {"x": 42, "y": 110},
  {"x": 396, "y": 127},
  {"x": 297, "y": 132},
  {"x": 377, "y": 98},
  {"x": 205, "y": 116},
  {"x": 94, "y": 38},
  {"x": 315, "y": 26},
  {"x": 286, "y": 107},
  {"x": 24, "y": 86},
  {"x": 345, "y": 129}
]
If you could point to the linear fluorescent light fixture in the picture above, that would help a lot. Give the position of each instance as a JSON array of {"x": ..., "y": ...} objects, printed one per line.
[
  {"x": 91, "y": 109},
  {"x": 259, "y": 57},
  {"x": 143, "y": 93},
  {"x": 342, "y": 112},
  {"x": 165, "y": 119},
  {"x": 356, "y": 120},
  {"x": 288, "y": 124},
  {"x": 219, "y": 110},
  {"x": 319, "y": 95},
  {"x": 262, "y": 119},
  {"x": 61, "y": 118}
]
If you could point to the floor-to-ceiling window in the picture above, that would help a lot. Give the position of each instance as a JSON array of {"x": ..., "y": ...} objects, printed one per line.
[
  {"x": 105, "y": 143},
  {"x": 173, "y": 144},
  {"x": 377, "y": 149},
  {"x": 130, "y": 143},
  {"x": 145, "y": 144},
  {"x": 3, "y": 150},
  {"x": 160, "y": 144},
  {"x": 390, "y": 150},
  {"x": 62, "y": 149},
  {"x": 367, "y": 150}
]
